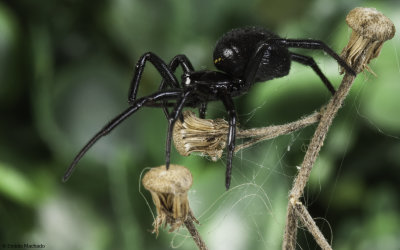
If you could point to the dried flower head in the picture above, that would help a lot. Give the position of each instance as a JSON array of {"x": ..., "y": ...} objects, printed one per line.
[
  {"x": 370, "y": 30},
  {"x": 205, "y": 136},
  {"x": 169, "y": 189}
]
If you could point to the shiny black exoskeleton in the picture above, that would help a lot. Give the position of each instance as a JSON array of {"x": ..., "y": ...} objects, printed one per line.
[{"x": 243, "y": 57}]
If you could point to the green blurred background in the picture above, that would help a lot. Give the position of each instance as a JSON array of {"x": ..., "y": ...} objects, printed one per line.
[{"x": 65, "y": 68}]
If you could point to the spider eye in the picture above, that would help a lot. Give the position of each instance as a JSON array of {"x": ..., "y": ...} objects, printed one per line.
[
  {"x": 218, "y": 60},
  {"x": 227, "y": 53}
]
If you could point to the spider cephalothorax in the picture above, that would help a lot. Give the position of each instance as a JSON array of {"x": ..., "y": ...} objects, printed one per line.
[{"x": 243, "y": 57}]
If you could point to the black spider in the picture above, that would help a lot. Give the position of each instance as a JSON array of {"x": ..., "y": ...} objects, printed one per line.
[{"x": 243, "y": 57}]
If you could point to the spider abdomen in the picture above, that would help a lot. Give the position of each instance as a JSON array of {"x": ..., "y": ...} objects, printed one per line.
[
  {"x": 236, "y": 48},
  {"x": 274, "y": 64}
]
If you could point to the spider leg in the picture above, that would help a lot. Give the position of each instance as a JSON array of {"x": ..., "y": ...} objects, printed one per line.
[
  {"x": 186, "y": 65},
  {"x": 315, "y": 44},
  {"x": 254, "y": 64},
  {"x": 202, "y": 110},
  {"x": 230, "y": 107},
  {"x": 159, "y": 64},
  {"x": 136, "y": 105},
  {"x": 309, "y": 61},
  {"x": 181, "y": 60},
  {"x": 171, "y": 122}
]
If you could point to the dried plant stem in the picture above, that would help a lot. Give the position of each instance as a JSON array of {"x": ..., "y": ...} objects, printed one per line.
[
  {"x": 305, "y": 217},
  {"x": 370, "y": 29},
  {"x": 319, "y": 136},
  {"x": 208, "y": 137},
  {"x": 266, "y": 133},
  {"x": 290, "y": 236},
  {"x": 314, "y": 148},
  {"x": 310, "y": 157},
  {"x": 195, "y": 234},
  {"x": 274, "y": 131}
]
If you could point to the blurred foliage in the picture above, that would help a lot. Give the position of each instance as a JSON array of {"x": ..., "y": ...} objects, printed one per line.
[{"x": 65, "y": 68}]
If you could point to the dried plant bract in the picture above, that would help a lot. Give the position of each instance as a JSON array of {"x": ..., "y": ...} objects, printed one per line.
[
  {"x": 169, "y": 189},
  {"x": 370, "y": 30},
  {"x": 204, "y": 136}
]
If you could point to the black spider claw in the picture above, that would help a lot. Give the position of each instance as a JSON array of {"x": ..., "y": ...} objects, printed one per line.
[
  {"x": 347, "y": 67},
  {"x": 64, "y": 178},
  {"x": 228, "y": 174},
  {"x": 67, "y": 175},
  {"x": 351, "y": 71},
  {"x": 227, "y": 182},
  {"x": 181, "y": 118}
]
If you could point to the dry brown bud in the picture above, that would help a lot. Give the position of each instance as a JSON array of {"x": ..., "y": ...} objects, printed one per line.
[
  {"x": 169, "y": 189},
  {"x": 370, "y": 30}
]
